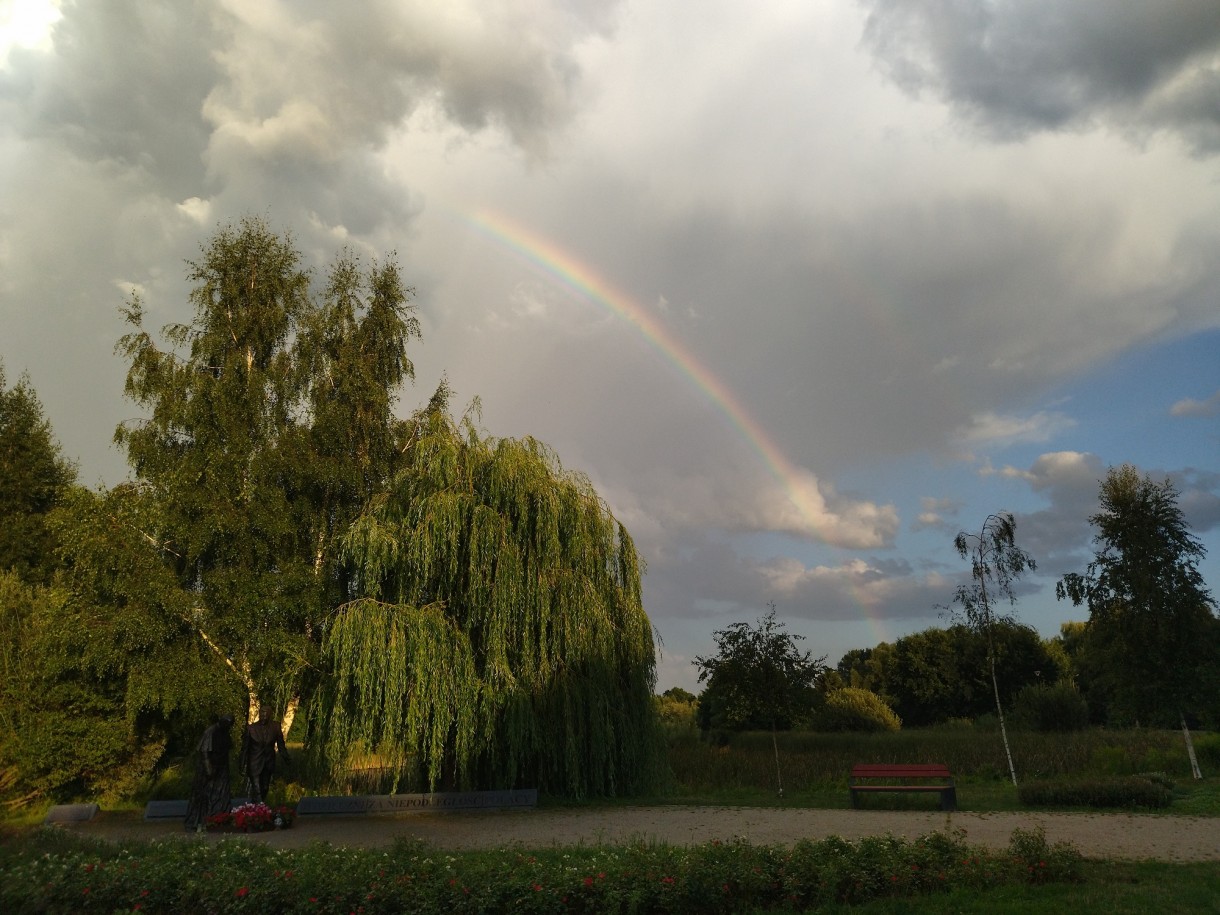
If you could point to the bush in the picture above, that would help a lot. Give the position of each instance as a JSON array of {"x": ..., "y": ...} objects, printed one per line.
[
  {"x": 50, "y": 870},
  {"x": 1057, "y": 707},
  {"x": 1207, "y": 751},
  {"x": 1133, "y": 791},
  {"x": 851, "y": 709}
]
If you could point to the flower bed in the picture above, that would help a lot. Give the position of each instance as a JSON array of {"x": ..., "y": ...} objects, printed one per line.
[
  {"x": 57, "y": 871},
  {"x": 253, "y": 818}
]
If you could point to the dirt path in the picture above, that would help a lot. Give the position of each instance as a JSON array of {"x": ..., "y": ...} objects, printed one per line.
[{"x": 1163, "y": 838}]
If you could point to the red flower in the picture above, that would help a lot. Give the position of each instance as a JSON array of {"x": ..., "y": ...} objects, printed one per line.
[
  {"x": 244, "y": 891},
  {"x": 537, "y": 887},
  {"x": 588, "y": 881}
]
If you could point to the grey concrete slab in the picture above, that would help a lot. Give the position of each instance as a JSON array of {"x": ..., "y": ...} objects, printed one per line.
[{"x": 71, "y": 813}]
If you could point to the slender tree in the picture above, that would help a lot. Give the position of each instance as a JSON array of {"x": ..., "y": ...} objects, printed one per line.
[
  {"x": 500, "y": 640},
  {"x": 1151, "y": 615},
  {"x": 996, "y": 563},
  {"x": 759, "y": 678}
]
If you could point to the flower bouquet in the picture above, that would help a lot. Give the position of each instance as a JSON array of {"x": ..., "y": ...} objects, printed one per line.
[{"x": 253, "y": 818}]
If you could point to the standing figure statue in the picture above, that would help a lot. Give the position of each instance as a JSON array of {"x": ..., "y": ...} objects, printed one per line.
[
  {"x": 258, "y": 750},
  {"x": 210, "y": 788}
]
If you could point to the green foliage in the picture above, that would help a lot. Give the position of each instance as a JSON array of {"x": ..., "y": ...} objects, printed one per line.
[
  {"x": 269, "y": 426},
  {"x": 851, "y": 709},
  {"x": 996, "y": 563},
  {"x": 68, "y": 729},
  {"x": 1051, "y": 707},
  {"x": 501, "y": 641},
  {"x": 1152, "y": 639},
  {"x": 52, "y": 871},
  {"x": 934, "y": 676},
  {"x": 676, "y": 710},
  {"x": 758, "y": 678},
  {"x": 1131, "y": 791},
  {"x": 33, "y": 477}
]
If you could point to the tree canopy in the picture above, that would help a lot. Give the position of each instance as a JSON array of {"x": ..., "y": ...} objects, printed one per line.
[
  {"x": 34, "y": 475},
  {"x": 500, "y": 639},
  {"x": 1152, "y": 632},
  {"x": 758, "y": 678},
  {"x": 270, "y": 424}
]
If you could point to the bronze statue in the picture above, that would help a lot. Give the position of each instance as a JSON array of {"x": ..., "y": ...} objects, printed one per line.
[
  {"x": 210, "y": 788},
  {"x": 258, "y": 753}
]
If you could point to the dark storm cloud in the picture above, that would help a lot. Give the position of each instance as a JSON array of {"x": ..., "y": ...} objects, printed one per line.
[
  {"x": 125, "y": 85},
  {"x": 1060, "y": 537},
  {"x": 144, "y": 125},
  {"x": 1015, "y": 67},
  {"x": 271, "y": 102}
]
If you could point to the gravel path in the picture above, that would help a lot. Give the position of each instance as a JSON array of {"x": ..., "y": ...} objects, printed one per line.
[{"x": 1110, "y": 835}]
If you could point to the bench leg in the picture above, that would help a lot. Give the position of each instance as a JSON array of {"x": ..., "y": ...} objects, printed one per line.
[
  {"x": 948, "y": 799},
  {"x": 855, "y": 799}
]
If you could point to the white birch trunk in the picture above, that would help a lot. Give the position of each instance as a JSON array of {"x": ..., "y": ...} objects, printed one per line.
[{"x": 1190, "y": 748}]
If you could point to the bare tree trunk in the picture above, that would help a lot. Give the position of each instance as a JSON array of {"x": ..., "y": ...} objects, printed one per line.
[
  {"x": 243, "y": 672},
  {"x": 995, "y": 684},
  {"x": 290, "y": 713},
  {"x": 1190, "y": 748},
  {"x": 778, "y": 778}
]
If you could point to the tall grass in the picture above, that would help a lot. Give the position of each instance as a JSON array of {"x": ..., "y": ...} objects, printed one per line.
[{"x": 747, "y": 760}]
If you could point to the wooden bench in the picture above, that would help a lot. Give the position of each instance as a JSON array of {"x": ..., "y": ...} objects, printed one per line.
[{"x": 876, "y": 777}]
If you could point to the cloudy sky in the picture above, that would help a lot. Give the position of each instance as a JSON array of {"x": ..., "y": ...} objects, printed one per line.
[{"x": 804, "y": 287}]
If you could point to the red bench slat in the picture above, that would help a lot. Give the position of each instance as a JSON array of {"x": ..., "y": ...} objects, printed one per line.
[{"x": 894, "y": 773}]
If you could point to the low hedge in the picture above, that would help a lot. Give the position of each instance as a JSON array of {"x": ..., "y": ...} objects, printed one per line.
[
  {"x": 52, "y": 871},
  {"x": 1131, "y": 791}
]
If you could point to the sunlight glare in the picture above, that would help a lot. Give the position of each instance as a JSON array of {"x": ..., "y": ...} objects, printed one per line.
[{"x": 26, "y": 24}]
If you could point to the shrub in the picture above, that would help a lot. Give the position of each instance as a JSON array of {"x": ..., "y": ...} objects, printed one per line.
[
  {"x": 1132, "y": 791},
  {"x": 1054, "y": 707},
  {"x": 851, "y": 709},
  {"x": 50, "y": 870},
  {"x": 1207, "y": 750}
]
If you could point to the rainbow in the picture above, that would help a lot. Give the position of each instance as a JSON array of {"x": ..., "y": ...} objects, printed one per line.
[{"x": 810, "y": 517}]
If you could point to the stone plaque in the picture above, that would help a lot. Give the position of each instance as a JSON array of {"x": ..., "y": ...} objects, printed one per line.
[
  {"x": 165, "y": 810},
  {"x": 176, "y": 810},
  {"x": 362, "y": 804},
  {"x": 71, "y": 813}
]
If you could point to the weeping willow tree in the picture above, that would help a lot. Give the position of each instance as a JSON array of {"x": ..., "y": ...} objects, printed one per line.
[{"x": 501, "y": 640}]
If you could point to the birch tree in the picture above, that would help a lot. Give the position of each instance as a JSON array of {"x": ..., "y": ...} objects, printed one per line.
[
  {"x": 996, "y": 563},
  {"x": 269, "y": 425},
  {"x": 1151, "y": 615}
]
